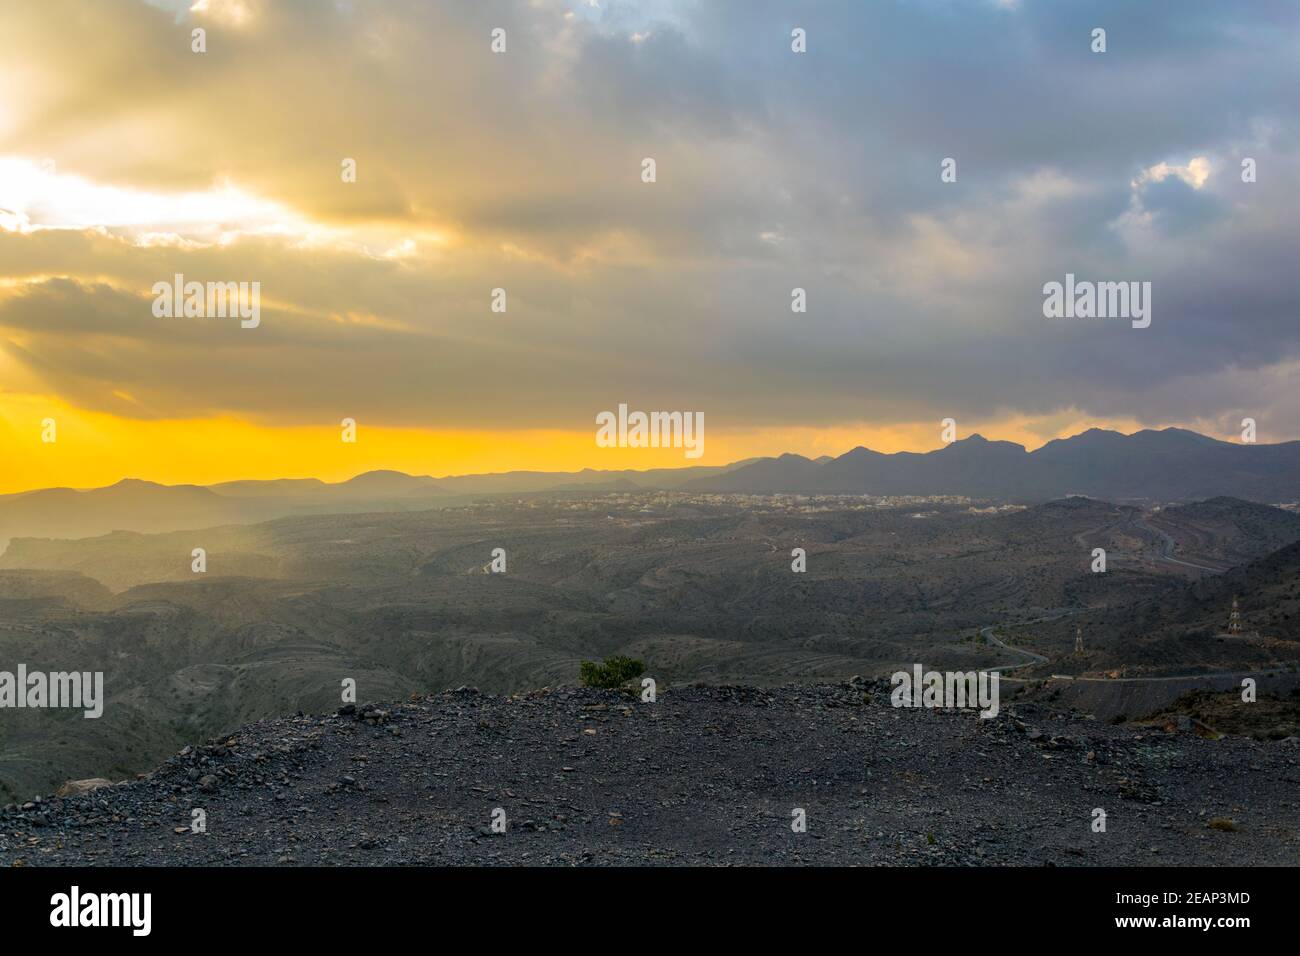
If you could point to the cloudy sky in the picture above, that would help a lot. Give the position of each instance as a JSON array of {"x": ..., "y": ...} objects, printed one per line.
[{"x": 125, "y": 158}]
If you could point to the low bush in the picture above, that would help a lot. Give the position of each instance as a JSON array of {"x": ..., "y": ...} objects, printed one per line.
[{"x": 615, "y": 672}]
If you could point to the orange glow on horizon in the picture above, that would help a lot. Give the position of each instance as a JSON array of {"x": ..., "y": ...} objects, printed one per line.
[{"x": 94, "y": 449}]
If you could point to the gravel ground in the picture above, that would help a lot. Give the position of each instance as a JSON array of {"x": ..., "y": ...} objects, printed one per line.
[{"x": 706, "y": 775}]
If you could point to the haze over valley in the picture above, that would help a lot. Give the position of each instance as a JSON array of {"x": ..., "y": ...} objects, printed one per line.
[{"x": 696, "y": 583}]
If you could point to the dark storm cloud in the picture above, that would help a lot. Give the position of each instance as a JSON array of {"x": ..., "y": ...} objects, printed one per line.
[{"x": 776, "y": 170}]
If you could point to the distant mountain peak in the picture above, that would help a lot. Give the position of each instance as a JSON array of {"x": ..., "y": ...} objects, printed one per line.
[
  {"x": 858, "y": 451},
  {"x": 1182, "y": 434},
  {"x": 978, "y": 441},
  {"x": 381, "y": 473}
]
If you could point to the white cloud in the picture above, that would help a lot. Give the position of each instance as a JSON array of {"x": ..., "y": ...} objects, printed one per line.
[{"x": 1195, "y": 173}]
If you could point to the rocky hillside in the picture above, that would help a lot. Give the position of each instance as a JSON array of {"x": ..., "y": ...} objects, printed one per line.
[{"x": 703, "y": 776}]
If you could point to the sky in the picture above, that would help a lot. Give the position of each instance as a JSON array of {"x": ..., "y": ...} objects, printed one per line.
[{"x": 126, "y": 158}]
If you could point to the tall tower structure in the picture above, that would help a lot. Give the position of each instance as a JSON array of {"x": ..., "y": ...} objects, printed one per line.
[
  {"x": 1078, "y": 638},
  {"x": 1234, "y": 618}
]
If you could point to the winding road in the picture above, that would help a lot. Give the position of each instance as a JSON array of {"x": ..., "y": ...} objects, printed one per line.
[
  {"x": 988, "y": 635},
  {"x": 1167, "y": 545}
]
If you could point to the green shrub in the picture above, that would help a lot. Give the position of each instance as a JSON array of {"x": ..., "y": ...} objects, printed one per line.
[{"x": 615, "y": 672}]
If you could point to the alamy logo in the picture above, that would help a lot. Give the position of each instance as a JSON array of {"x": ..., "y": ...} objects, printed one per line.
[
  {"x": 213, "y": 300},
  {"x": 948, "y": 690},
  {"x": 103, "y": 909},
  {"x": 77, "y": 689},
  {"x": 653, "y": 430},
  {"x": 1098, "y": 300}
]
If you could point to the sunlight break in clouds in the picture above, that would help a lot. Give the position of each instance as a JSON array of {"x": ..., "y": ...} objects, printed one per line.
[{"x": 39, "y": 196}]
